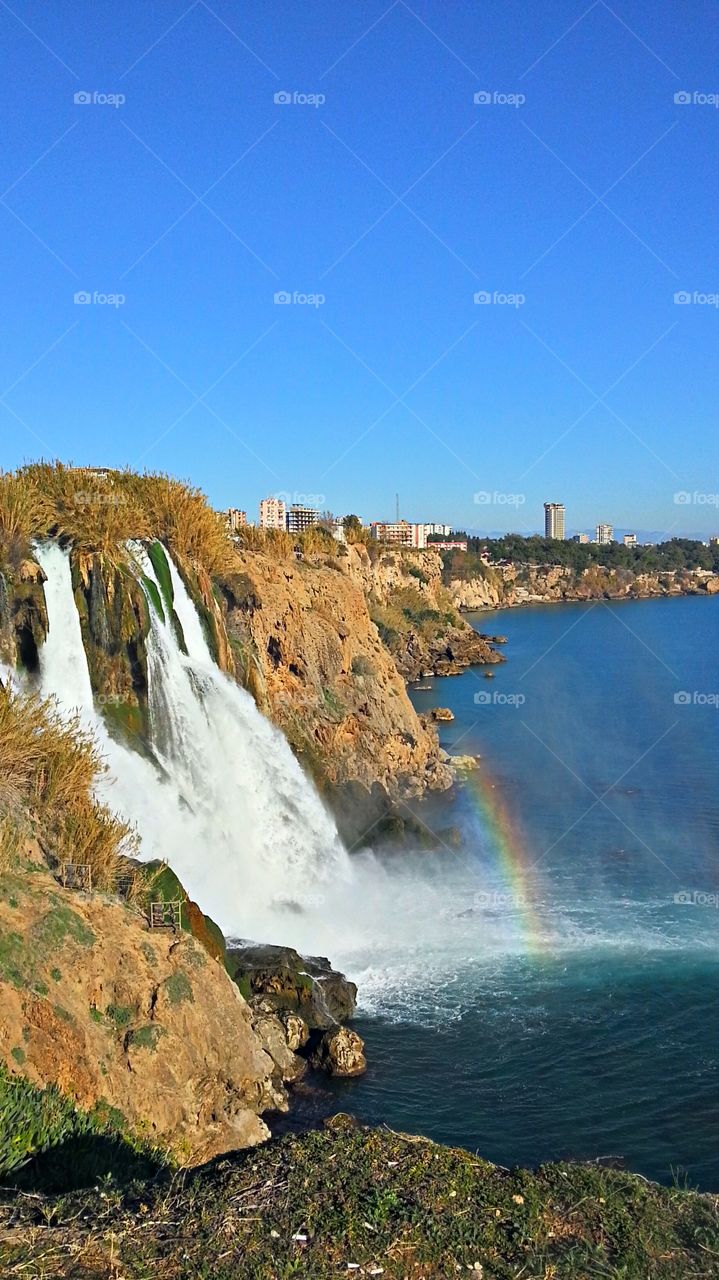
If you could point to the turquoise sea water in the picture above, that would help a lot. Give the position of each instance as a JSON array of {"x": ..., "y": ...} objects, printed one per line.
[{"x": 572, "y": 1010}]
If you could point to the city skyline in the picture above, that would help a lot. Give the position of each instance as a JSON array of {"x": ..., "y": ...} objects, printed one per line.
[{"x": 273, "y": 512}]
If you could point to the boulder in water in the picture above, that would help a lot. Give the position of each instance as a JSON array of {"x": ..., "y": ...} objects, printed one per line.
[
  {"x": 340, "y": 1053},
  {"x": 307, "y": 985}
]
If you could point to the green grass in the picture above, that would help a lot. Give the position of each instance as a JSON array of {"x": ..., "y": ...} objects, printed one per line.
[{"x": 378, "y": 1200}]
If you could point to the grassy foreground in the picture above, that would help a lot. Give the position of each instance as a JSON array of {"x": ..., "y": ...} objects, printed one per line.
[{"x": 366, "y": 1202}]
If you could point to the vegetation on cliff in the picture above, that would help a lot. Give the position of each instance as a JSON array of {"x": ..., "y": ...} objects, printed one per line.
[
  {"x": 670, "y": 556},
  {"x": 367, "y": 1202},
  {"x": 49, "y": 767}
]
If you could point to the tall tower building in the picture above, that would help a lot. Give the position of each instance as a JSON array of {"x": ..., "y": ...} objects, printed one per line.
[
  {"x": 554, "y": 519},
  {"x": 605, "y": 534}
]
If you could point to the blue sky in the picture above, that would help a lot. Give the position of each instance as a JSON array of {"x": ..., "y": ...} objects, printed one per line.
[{"x": 396, "y": 200}]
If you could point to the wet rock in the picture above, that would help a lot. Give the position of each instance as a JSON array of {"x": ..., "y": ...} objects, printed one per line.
[
  {"x": 340, "y": 1053},
  {"x": 307, "y": 985},
  {"x": 442, "y": 713},
  {"x": 463, "y": 763}
]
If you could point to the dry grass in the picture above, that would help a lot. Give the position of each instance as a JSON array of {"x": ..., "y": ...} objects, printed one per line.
[
  {"x": 99, "y": 511},
  {"x": 23, "y": 509},
  {"x": 181, "y": 517},
  {"x": 48, "y": 770},
  {"x": 275, "y": 543}
]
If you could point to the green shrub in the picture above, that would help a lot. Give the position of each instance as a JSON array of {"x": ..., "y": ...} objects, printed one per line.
[{"x": 361, "y": 666}]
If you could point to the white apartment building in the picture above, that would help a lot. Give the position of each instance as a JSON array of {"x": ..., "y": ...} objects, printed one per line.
[
  {"x": 630, "y": 539},
  {"x": 605, "y": 534},
  {"x": 300, "y": 518}
]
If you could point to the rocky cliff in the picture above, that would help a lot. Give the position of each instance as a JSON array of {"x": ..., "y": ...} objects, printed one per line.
[
  {"x": 505, "y": 586},
  {"x": 305, "y": 644},
  {"x": 414, "y": 612},
  {"x": 142, "y": 1021}
]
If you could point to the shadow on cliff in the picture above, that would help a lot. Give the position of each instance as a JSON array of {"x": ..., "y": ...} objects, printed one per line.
[{"x": 83, "y": 1160}]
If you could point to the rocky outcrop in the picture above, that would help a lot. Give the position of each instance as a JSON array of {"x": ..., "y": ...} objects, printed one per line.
[
  {"x": 508, "y": 585},
  {"x": 306, "y": 647},
  {"x": 281, "y": 1035},
  {"x": 141, "y": 1020},
  {"x": 23, "y": 615},
  {"x": 340, "y": 1053},
  {"x": 415, "y": 614},
  {"x": 289, "y": 982}
]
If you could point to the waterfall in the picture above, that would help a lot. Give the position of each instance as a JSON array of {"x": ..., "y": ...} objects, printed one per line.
[{"x": 226, "y": 804}]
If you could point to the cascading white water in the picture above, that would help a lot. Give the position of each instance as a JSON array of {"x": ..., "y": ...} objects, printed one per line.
[{"x": 229, "y": 807}]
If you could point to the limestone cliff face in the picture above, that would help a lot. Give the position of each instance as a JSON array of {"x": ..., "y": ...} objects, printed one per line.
[
  {"x": 96, "y": 1003},
  {"x": 305, "y": 645},
  {"x": 415, "y": 613},
  {"x": 504, "y": 586}
]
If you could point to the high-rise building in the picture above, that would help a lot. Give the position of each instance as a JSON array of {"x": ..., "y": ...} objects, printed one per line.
[
  {"x": 443, "y": 530},
  {"x": 273, "y": 513},
  {"x": 235, "y": 519},
  {"x": 605, "y": 534},
  {"x": 300, "y": 518},
  {"x": 554, "y": 520},
  {"x": 630, "y": 539}
]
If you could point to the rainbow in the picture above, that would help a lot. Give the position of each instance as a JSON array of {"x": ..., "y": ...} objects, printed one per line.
[{"x": 508, "y": 845}]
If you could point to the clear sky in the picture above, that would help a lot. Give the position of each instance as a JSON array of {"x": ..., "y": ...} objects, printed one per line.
[{"x": 396, "y": 200}]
